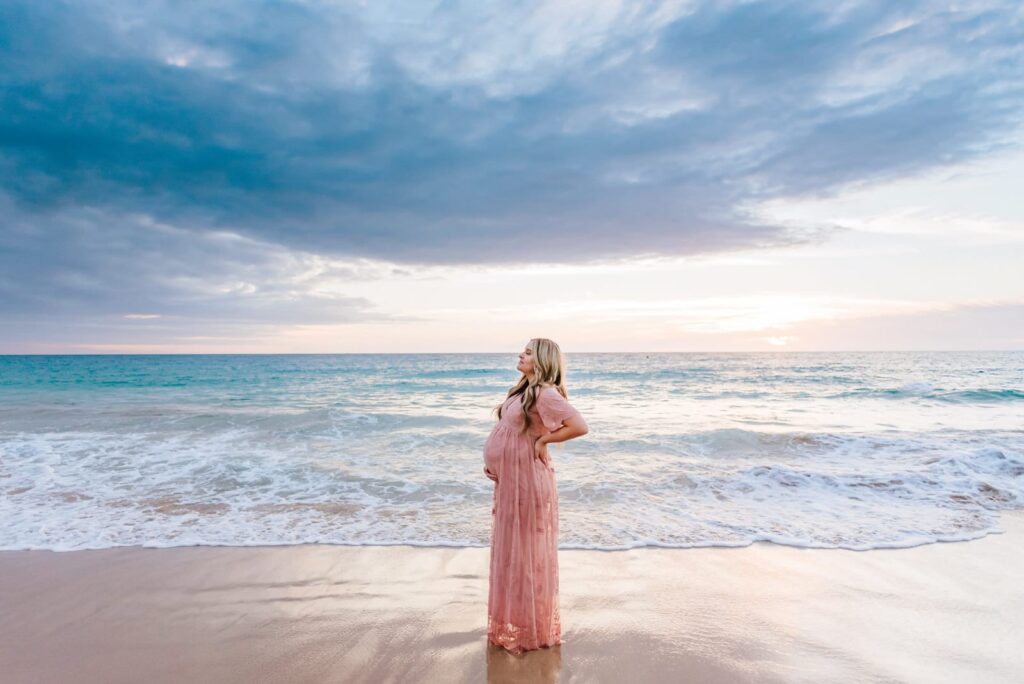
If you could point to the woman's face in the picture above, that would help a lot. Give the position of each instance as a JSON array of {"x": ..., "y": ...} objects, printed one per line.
[{"x": 525, "y": 364}]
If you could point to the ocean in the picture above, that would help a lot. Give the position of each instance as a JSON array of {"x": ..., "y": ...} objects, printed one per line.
[{"x": 825, "y": 450}]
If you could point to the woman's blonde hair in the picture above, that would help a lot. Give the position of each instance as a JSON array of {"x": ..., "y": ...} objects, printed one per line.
[{"x": 548, "y": 369}]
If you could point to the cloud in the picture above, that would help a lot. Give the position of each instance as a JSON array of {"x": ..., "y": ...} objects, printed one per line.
[
  {"x": 176, "y": 172},
  {"x": 126, "y": 270},
  {"x": 964, "y": 326},
  {"x": 486, "y": 133}
]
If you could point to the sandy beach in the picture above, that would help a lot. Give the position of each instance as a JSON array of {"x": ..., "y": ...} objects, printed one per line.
[{"x": 765, "y": 613}]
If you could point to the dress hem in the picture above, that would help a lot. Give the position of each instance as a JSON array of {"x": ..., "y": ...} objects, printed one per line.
[{"x": 518, "y": 649}]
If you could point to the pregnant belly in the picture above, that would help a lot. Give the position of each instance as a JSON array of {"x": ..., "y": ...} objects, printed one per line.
[{"x": 492, "y": 455}]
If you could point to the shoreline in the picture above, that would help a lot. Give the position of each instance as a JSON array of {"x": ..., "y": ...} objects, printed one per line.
[
  {"x": 438, "y": 546},
  {"x": 764, "y": 612}
]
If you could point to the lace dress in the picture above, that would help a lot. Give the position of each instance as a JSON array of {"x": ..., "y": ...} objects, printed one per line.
[{"x": 522, "y": 604}]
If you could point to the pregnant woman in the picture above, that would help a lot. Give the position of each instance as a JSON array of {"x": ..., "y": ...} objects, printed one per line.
[{"x": 522, "y": 604}]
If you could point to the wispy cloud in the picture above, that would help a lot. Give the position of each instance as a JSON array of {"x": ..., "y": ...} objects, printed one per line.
[
  {"x": 87, "y": 263},
  {"x": 744, "y": 313}
]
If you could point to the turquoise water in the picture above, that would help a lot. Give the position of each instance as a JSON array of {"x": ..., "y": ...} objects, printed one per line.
[{"x": 851, "y": 450}]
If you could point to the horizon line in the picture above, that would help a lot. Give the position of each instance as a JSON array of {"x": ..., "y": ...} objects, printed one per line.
[{"x": 758, "y": 351}]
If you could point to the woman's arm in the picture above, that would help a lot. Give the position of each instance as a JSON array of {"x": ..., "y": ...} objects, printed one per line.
[{"x": 574, "y": 426}]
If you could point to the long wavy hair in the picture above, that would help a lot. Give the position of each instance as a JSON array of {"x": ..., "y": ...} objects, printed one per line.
[{"x": 548, "y": 369}]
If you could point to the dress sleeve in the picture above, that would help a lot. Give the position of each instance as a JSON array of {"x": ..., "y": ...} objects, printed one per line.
[{"x": 553, "y": 408}]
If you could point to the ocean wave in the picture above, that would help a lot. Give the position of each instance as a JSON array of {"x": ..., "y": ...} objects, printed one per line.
[
  {"x": 237, "y": 450},
  {"x": 928, "y": 391},
  {"x": 245, "y": 485}
]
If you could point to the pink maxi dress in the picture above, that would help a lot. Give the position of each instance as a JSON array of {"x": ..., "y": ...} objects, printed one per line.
[{"x": 522, "y": 603}]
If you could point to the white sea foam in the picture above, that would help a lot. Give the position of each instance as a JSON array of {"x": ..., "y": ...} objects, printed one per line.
[
  {"x": 674, "y": 458},
  {"x": 243, "y": 486}
]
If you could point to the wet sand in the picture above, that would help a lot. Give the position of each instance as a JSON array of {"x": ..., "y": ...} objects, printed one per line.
[{"x": 937, "y": 613}]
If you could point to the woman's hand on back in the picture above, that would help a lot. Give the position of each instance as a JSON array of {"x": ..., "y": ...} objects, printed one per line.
[{"x": 540, "y": 450}]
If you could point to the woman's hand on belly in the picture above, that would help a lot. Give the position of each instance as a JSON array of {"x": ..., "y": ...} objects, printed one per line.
[{"x": 492, "y": 460}]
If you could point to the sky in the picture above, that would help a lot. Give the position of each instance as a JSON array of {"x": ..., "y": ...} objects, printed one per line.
[{"x": 318, "y": 177}]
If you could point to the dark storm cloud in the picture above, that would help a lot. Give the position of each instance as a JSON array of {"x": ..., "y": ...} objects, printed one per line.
[{"x": 458, "y": 133}]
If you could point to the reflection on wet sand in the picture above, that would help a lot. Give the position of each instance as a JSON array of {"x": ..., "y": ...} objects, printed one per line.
[
  {"x": 539, "y": 666},
  {"x": 317, "y": 613}
]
